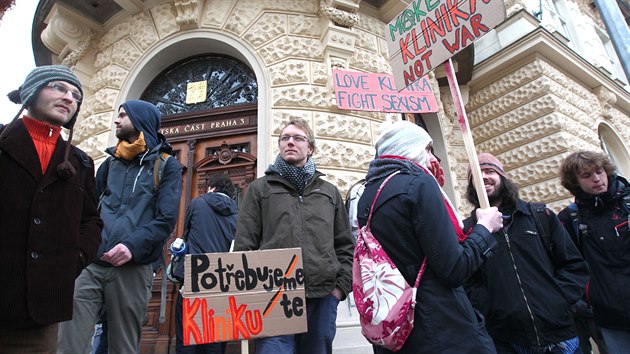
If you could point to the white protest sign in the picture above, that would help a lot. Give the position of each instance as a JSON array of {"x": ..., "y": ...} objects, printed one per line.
[{"x": 428, "y": 32}]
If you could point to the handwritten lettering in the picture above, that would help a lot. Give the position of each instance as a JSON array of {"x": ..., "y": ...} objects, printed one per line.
[
  {"x": 428, "y": 32},
  {"x": 215, "y": 328},
  {"x": 224, "y": 276}
]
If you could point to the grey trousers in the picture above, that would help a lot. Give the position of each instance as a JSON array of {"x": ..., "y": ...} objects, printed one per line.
[{"x": 124, "y": 292}]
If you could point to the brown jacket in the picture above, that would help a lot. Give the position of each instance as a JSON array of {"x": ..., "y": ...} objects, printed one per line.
[
  {"x": 49, "y": 230},
  {"x": 273, "y": 216}
]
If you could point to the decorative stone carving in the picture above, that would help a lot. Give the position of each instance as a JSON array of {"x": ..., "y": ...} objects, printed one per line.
[
  {"x": 289, "y": 72},
  {"x": 105, "y": 99},
  {"x": 243, "y": 15},
  {"x": 537, "y": 171},
  {"x": 115, "y": 34},
  {"x": 286, "y": 47},
  {"x": 546, "y": 190},
  {"x": 279, "y": 117},
  {"x": 343, "y": 127},
  {"x": 338, "y": 16},
  {"x": 95, "y": 124},
  {"x": 78, "y": 53},
  {"x": 268, "y": 27},
  {"x": 166, "y": 19},
  {"x": 216, "y": 13},
  {"x": 124, "y": 53},
  {"x": 187, "y": 12},
  {"x": 606, "y": 100},
  {"x": 110, "y": 76},
  {"x": 66, "y": 35},
  {"x": 366, "y": 40},
  {"x": 367, "y": 61},
  {"x": 319, "y": 72},
  {"x": 338, "y": 63},
  {"x": 302, "y": 96},
  {"x": 303, "y": 25},
  {"x": 342, "y": 155},
  {"x": 93, "y": 145},
  {"x": 103, "y": 58},
  {"x": 144, "y": 34}
]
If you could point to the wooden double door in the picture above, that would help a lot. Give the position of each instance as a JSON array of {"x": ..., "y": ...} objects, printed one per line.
[{"x": 206, "y": 143}]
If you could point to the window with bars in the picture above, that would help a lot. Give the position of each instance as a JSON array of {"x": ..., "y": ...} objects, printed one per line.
[{"x": 228, "y": 82}]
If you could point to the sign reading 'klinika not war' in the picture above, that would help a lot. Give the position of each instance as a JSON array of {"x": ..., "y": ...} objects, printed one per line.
[{"x": 428, "y": 32}]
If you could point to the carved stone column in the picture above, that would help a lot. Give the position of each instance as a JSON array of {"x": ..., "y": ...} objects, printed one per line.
[
  {"x": 187, "y": 13},
  {"x": 338, "y": 38},
  {"x": 67, "y": 35}
]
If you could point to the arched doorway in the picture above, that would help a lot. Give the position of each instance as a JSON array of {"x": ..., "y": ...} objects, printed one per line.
[{"x": 209, "y": 107}]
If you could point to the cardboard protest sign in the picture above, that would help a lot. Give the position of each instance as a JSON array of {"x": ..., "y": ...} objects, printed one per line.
[
  {"x": 376, "y": 92},
  {"x": 243, "y": 295},
  {"x": 428, "y": 32}
]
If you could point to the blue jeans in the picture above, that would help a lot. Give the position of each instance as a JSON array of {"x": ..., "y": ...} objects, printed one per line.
[
  {"x": 321, "y": 316},
  {"x": 617, "y": 340},
  {"x": 569, "y": 346},
  {"x": 180, "y": 348}
]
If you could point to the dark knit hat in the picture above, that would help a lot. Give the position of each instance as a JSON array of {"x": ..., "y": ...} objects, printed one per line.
[
  {"x": 38, "y": 79},
  {"x": 488, "y": 161}
]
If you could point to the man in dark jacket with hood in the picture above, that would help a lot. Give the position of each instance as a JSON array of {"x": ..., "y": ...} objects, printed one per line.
[
  {"x": 139, "y": 211},
  {"x": 598, "y": 225},
  {"x": 209, "y": 227},
  {"x": 49, "y": 224},
  {"x": 526, "y": 289}
]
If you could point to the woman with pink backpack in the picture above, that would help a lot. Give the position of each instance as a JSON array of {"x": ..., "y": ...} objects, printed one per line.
[{"x": 420, "y": 232}]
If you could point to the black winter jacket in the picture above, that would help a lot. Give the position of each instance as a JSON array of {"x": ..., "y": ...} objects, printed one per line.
[
  {"x": 524, "y": 291},
  {"x": 209, "y": 225},
  {"x": 411, "y": 222},
  {"x": 604, "y": 239}
]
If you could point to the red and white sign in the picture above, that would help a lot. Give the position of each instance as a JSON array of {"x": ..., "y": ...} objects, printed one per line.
[
  {"x": 428, "y": 32},
  {"x": 376, "y": 92}
]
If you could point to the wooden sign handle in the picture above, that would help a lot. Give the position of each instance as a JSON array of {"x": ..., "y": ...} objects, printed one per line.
[{"x": 469, "y": 144}]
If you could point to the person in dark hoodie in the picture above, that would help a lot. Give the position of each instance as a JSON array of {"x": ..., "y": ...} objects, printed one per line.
[
  {"x": 598, "y": 223},
  {"x": 209, "y": 227},
  {"x": 139, "y": 215},
  {"x": 49, "y": 225}
]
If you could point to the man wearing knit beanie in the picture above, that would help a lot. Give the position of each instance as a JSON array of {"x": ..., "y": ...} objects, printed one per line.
[
  {"x": 49, "y": 224},
  {"x": 526, "y": 289}
]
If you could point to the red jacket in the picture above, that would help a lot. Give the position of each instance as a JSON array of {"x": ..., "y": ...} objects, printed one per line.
[{"x": 50, "y": 230}]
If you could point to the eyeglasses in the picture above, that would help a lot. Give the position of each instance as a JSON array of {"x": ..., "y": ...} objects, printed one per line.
[
  {"x": 296, "y": 138},
  {"x": 62, "y": 89}
]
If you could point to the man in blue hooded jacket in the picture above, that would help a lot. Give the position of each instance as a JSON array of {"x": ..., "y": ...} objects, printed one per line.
[{"x": 139, "y": 216}]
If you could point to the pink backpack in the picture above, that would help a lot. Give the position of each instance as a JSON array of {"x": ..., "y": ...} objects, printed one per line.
[{"x": 384, "y": 299}]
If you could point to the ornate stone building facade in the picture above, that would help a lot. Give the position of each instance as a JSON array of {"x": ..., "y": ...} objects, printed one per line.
[{"x": 543, "y": 84}]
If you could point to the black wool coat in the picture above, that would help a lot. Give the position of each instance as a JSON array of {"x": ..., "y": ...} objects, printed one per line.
[{"x": 50, "y": 230}]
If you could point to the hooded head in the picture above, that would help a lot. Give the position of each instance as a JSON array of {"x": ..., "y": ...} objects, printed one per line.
[
  {"x": 404, "y": 139},
  {"x": 145, "y": 117},
  {"x": 37, "y": 79}
]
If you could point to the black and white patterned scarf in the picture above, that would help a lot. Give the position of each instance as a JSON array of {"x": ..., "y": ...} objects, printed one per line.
[{"x": 297, "y": 176}]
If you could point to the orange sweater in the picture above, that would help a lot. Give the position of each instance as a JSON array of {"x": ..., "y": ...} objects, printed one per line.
[{"x": 44, "y": 138}]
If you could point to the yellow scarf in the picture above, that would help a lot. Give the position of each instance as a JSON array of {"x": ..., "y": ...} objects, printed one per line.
[{"x": 128, "y": 151}]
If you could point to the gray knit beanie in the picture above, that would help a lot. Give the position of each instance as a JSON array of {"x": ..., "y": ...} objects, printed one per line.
[
  {"x": 38, "y": 79},
  {"x": 26, "y": 94}
]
